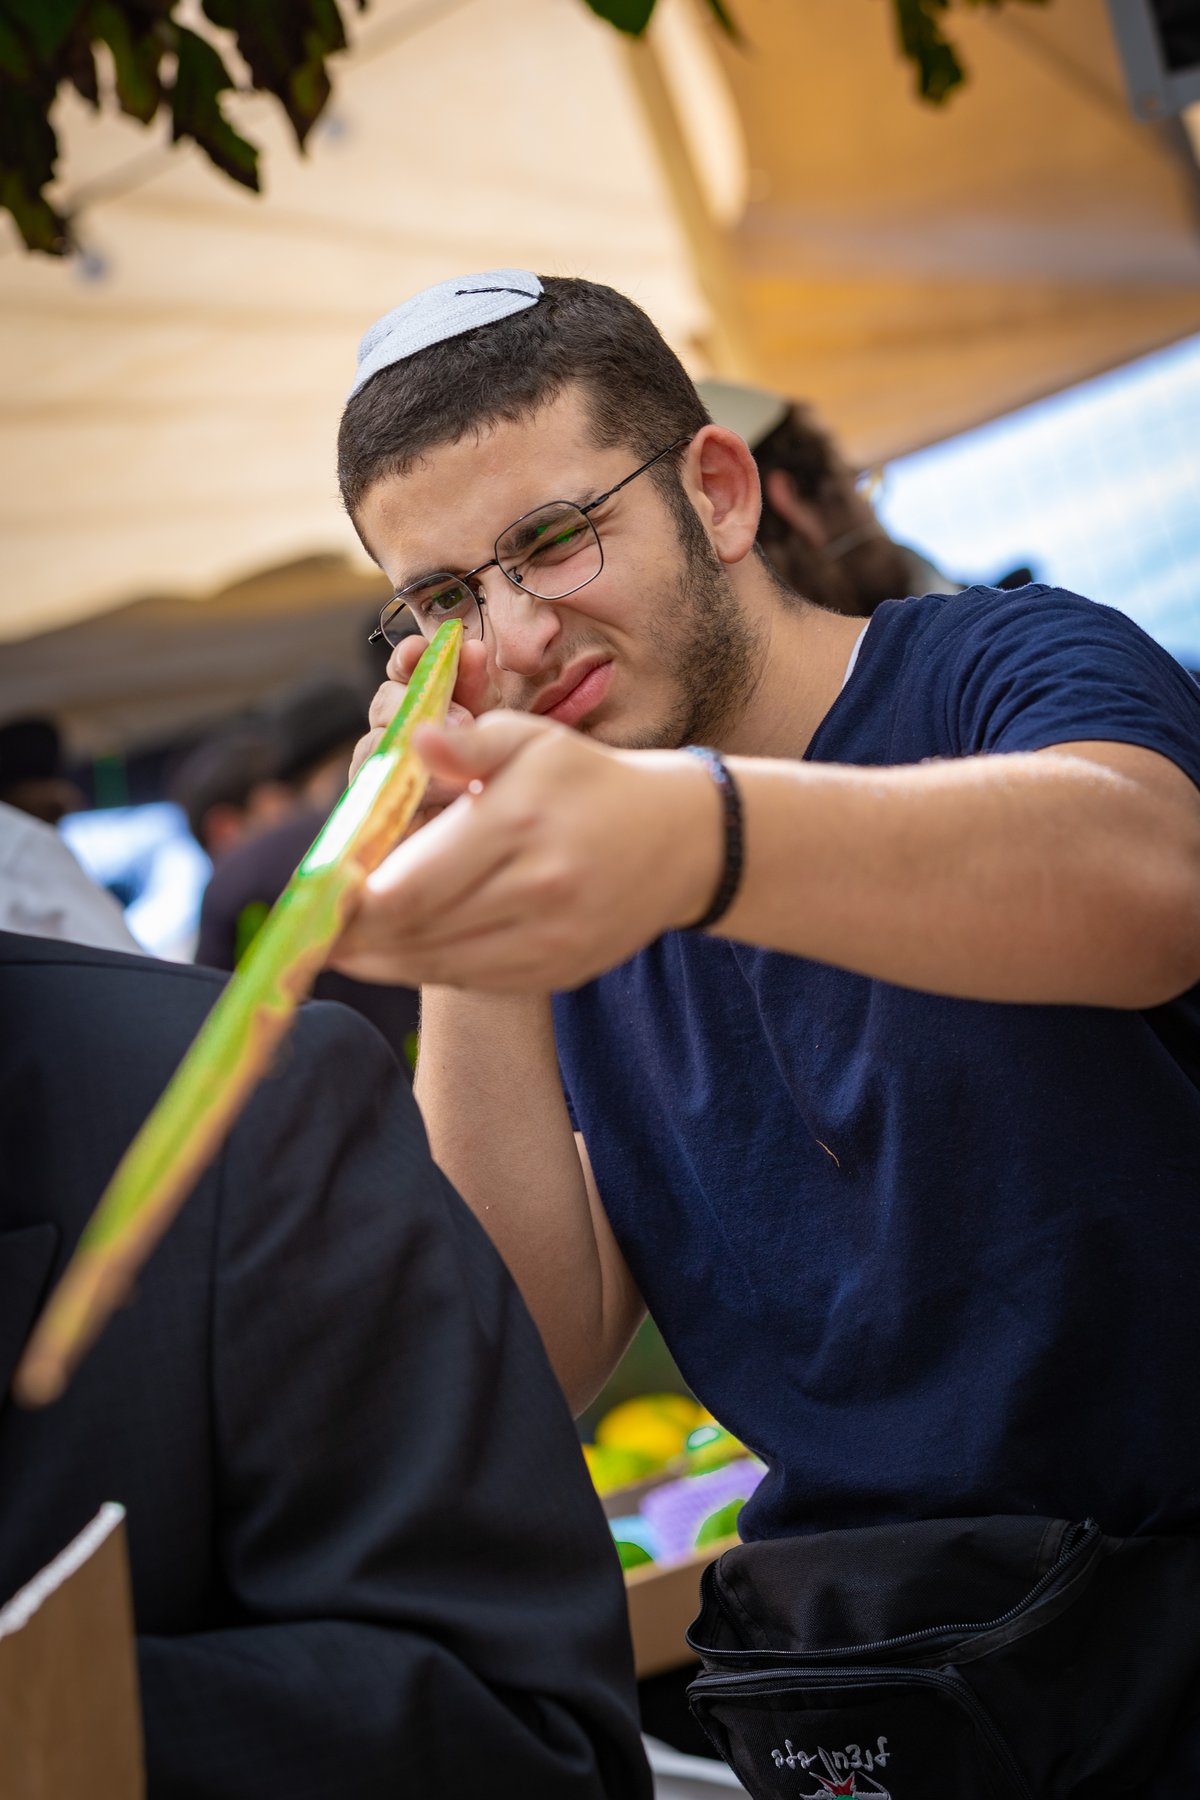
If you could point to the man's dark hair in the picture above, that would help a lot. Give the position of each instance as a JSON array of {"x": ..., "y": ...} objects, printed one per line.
[
  {"x": 799, "y": 445},
  {"x": 313, "y": 722},
  {"x": 804, "y": 450},
  {"x": 638, "y": 391}
]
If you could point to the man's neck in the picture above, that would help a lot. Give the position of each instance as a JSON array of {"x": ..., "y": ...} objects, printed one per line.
[{"x": 804, "y": 657}]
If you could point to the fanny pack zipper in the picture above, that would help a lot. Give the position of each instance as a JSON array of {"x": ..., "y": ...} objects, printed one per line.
[
  {"x": 750, "y": 1682},
  {"x": 1076, "y": 1540}
]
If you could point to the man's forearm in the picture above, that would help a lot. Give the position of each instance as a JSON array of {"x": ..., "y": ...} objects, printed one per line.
[
  {"x": 1039, "y": 878},
  {"x": 489, "y": 1089},
  {"x": 1068, "y": 876}
]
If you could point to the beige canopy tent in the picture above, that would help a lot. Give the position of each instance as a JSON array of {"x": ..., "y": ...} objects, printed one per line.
[{"x": 786, "y": 209}]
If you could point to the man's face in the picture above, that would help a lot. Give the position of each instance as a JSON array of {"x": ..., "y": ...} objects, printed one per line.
[{"x": 655, "y": 651}]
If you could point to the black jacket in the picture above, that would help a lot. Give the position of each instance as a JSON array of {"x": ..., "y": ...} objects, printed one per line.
[{"x": 366, "y": 1560}]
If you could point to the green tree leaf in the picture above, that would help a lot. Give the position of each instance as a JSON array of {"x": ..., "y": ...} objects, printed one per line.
[
  {"x": 725, "y": 20},
  {"x": 285, "y": 48},
  {"x": 15, "y": 62},
  {"x": 79, "y": 67},
  {"x": 285, "y": 45},
  {"x": 939, "y": 69},
  {"x": 922, "y": 40},
  {"x": 43, "y": 24},
  {"x": 137, "y": 45},
  {"x": 28, "y": 152},
  {"x": 200, "y": 79},
  {"x": 632, "y": 16}
]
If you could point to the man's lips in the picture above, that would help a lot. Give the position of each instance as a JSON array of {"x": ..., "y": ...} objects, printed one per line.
[{"x": 578, "y": 694}]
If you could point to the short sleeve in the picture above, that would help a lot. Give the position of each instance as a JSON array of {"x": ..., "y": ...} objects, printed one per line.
[{"x": 1044, "y": 666}]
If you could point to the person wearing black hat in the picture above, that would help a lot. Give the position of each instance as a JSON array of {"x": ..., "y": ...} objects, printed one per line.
[{"x": 31, "y": 772}]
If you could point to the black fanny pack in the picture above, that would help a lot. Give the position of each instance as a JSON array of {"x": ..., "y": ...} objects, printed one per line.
[{"x": 834, "y": 1665}]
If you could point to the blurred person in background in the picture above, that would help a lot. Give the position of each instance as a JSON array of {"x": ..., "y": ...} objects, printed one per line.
[
  {"x": 317, "y": 725},
  {"x": 43, "y": 890},
  {"x": 230, "y": 788},
  {"x": 366, "y": 1560},
  {"x": 819, "y": 528},
  {"x": 311, "y": 734}
]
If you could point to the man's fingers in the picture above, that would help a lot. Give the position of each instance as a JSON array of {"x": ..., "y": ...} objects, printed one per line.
[
  {"x": 473, "y": 687},
  {"x": 383, "y": 710},
  {"x": 475, "y": 752},
  {"x": 436, "y": 869},
  {"x": 495, "y": 960},
  {"x": 474, "y": 692},
  {"x": 444, "y": 863},
  {"x": 386, "y": 704},
  {"x": 366, "y": 746},
  {"x": 404, "y": 658}
]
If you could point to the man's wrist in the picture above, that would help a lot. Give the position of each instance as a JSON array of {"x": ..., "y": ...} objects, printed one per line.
[
  {"x": 694, "y": 839},
  {"x": 729, "y": 880}
]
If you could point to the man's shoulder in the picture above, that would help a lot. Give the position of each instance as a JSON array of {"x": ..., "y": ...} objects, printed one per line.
[
  {"x": 941, "y": 636},
  {"x": 955, "y": 613},
  {"x": 19, "y": 951},
  {"x": 125, "y": 993},
  {"x": 92, "y": 1037}
]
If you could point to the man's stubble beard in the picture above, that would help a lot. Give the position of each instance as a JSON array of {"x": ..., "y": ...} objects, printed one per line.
[{"x": 716, "y": 652}]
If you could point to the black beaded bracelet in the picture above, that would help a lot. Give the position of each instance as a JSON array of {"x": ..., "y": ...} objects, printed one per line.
[{"x": 731, "y": 805}]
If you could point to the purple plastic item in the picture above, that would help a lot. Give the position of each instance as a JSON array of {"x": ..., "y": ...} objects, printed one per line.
[{"x": 677, "y": 1510}]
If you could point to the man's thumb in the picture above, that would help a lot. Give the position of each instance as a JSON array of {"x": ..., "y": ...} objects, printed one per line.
[{"x": 475, "y": 752}]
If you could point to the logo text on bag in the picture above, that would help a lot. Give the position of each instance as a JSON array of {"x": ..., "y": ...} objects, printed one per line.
[{"x": 843, "y": 1768}]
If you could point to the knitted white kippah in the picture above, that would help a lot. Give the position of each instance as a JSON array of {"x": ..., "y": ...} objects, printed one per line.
[{"x": 444, "y": 311}]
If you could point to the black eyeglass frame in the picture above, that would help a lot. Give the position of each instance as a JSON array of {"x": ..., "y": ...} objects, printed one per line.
[{"x": 469, "y": 580}]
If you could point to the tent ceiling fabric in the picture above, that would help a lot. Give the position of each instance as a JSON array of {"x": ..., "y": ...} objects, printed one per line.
[
  {"x": 917, "y": 270},
  {"x": 157, "y": 670},
  {"x": 168, "y": 409},
  {"x": 169, "y": 426}
]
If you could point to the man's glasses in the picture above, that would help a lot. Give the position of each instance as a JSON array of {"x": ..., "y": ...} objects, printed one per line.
[{"x": 548, "y": 553}]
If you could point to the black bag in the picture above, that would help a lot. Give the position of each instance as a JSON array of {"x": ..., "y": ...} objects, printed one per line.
[{"x": 830, "y": 1668}]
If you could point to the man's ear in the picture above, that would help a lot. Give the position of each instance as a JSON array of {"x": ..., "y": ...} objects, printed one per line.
[
  {"x": 783, "y": 497},
  {"x": 720, "y": 477}
]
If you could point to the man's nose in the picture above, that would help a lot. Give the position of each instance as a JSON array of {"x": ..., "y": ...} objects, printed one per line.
[{"x": 521, "y": 628}]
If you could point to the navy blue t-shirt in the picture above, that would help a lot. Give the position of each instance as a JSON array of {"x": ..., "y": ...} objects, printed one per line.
[{"x": 928, "y": 1257}]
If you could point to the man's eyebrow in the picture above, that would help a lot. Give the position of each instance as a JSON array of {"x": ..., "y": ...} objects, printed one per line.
[
  {"x": 584, "y": 500},
  {"x": 426, "y": 576},
  {"x": 524, "y": 531}
]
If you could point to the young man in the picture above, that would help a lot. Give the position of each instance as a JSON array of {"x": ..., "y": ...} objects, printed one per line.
[{"x": 902, "y": 1150}]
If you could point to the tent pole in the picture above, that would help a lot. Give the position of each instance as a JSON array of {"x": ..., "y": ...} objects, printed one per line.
[{"x": 734, "y": 353}]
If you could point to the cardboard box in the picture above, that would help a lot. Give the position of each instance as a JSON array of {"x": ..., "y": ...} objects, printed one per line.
[
  {"x": 70, "y": 1720},
  {"x": 663, "y": 1600}
]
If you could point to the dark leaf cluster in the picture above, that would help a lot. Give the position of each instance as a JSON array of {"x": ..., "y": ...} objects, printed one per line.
[
  {"x": 158, "y": 63},
  {"x": 937, "y": 65},
  {"x": 935, "y": 61}
]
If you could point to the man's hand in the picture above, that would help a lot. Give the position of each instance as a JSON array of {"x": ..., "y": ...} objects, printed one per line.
[
  {"x": 559, "y": 859},
  {"x": 473, "y": 694}
]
